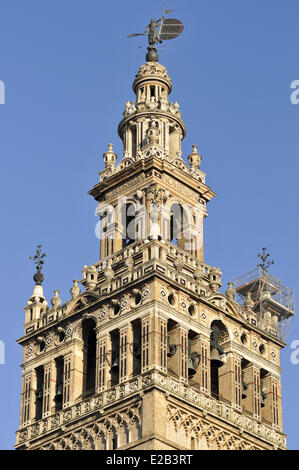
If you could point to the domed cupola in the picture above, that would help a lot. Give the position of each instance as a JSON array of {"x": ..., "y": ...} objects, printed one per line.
[{"x": 152, "y": 85}]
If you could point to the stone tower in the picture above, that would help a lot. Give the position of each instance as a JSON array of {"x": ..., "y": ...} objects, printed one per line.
[{"x": 150, "y": 355}]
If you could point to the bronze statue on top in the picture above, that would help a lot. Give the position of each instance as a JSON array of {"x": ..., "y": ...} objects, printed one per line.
[{"x": 158, "y": 31}]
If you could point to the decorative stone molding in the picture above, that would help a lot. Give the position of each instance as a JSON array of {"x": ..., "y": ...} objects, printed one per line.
[{"x": 169, "y": 385}]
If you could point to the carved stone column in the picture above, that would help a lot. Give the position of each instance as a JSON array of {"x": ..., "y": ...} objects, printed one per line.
[
  {"x": 49, "y": 389},
  {"x": 125, "y": 353},
  {"x": 252, "y": 402},
  {"x": 178, "y": 363},
  {"x": 230, "y": 380},
  {"x": 271, "y": 412}
]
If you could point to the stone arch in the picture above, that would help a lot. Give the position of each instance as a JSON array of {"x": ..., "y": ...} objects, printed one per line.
[
  {"x": 225, "y": 304},
  {"x": 127, "y": 210},
  {"x": 135, "y": 429},
  {"x": 223, "y": 326},
  {"x": 81, "y": 302},
  {"x": 218, "y": 336},
  {"x": 100, "y": 441},
  {"x": 123, "y": 434}
]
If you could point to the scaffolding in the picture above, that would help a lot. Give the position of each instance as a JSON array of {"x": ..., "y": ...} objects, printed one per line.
[{"x": 273, "y": 304}]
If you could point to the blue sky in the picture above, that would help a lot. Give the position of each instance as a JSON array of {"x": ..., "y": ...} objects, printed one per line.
[{"x": 68, "y": 68}]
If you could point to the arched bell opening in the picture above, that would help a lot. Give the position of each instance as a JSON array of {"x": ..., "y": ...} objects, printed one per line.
[
  {"x": 176, "y": 224},
  {"x": 218, "y": 336},
  {"x": 244, "y": 381},
  {"x": 128, "y": 214},
  {"x": 89, "y": 356},
  {"x": 194, "y": 358},
  {"x": 171, "y": 359},
  {"x": 136, "y": 347},
  {"x": 180, "y": 224},
  {"x": 58, "y": 399},
  {"x": 264, "y": 375},
  {"x": 39, "y": 394},
  {"x": 114, "y": 357}
]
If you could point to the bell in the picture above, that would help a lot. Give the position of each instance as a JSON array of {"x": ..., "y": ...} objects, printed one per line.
[
  {"x": 171, "y": 348},
  {"x": 115, "y": 363},
  {"x": 137, "y": 350},
  {"x": 263, "y": 398},
  {"x": 39, "y": 394},
  {"x": 191, "y": 368},
  {"x": 58, "y": 391},
  {"x": 215, "y": 358},
  {"x": 244, "y": 387}
]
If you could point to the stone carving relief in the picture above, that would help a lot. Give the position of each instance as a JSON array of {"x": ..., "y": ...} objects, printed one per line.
[
  {"x": 184, "y": 426},
  {"x": 96, "y": 435}
]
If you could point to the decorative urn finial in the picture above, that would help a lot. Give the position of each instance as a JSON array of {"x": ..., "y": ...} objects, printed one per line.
[
  {"x": 75, "y": 290},
  {"x": 230, "y": 292},
  {"x": 249, "y": 303},
  {"x": 56, "y": 300},
  {"x": 110, "y": 157},
  {"x": 194, "y": 158},
  {"x": 153, "y": 132}
]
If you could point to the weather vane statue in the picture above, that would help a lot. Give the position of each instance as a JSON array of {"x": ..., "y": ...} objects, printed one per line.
[
  {"x": 265, "y": 264},
  {"x": 38, "y": 259},
  {"x": 158, "y": 31}
]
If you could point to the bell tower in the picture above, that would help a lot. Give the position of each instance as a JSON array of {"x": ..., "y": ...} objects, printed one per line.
[{"x": 149, "y": 354}]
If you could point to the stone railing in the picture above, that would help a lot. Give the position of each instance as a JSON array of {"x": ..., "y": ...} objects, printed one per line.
[{"x": 173, "y": 386}]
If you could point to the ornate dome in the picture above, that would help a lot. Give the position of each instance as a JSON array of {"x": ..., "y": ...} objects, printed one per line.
[{"x": 152, "y": 71}]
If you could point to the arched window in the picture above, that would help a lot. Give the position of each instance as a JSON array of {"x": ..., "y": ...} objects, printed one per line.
[
  {"x": 128, "y": 223},
  {"x": 218, "y": 336},
  {"x": 39, "y": 394},
  {"x": 59, "y": 363},
  {"x": 89, "y": 356},
  {"x": 176, "y": 223}
]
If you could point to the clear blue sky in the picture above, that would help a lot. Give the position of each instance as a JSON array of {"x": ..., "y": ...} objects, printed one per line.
[{"x": 68, "y": 70}]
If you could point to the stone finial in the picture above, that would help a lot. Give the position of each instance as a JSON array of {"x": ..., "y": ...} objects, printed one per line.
[
  {"x": 75, "y": 290},
  {"x": 215, "y": 279},
  {"x": 153, "y": 133},
  {"x": 179, "y": 262},
  {"x": 198, "y": 273},
  {"x": 56, "y": 300},
  {"x": 127, "y": 108},
  {"x": 129, "y": 261},
  {"x": 108, "y": 271},
  {"x": 249, "y": 303},
  {"x": 194, "y": 158},
  {"x": 230, "y": 292},
  {"x": 91, "y": 277},
  {"x": 110, "y": 157}
]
